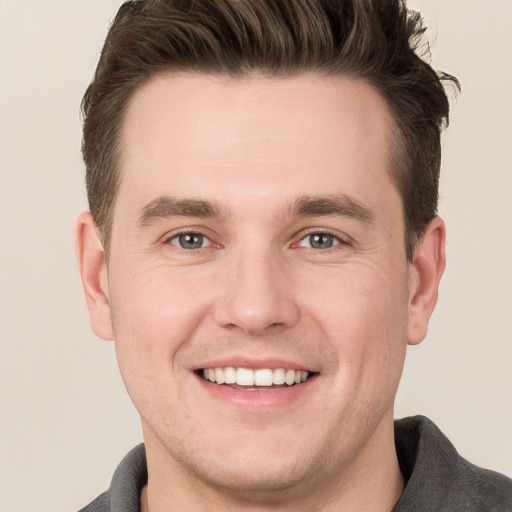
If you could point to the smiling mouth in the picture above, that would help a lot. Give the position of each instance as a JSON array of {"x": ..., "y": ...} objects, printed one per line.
[{"x": 261, "y": 378}]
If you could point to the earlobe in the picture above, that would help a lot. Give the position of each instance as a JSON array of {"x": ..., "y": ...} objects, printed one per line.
[
  {"x": 93, "y": 271},
  {"x": 425, "y": 274}
]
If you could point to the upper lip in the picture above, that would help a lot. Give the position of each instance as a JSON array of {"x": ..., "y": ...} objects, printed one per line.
[{"x": 253, "y": 363}]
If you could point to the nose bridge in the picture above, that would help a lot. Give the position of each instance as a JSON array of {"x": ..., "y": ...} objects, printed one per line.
[{"x": 256, "y": 296}]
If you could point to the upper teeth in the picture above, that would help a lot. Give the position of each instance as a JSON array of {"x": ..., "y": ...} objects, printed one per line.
[{"x": 247, "y": 377}]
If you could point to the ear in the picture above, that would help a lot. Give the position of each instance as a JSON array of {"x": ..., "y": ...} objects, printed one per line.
[
  {"x": 425, "y": 273},
  {"x": 93, "y": 271}
]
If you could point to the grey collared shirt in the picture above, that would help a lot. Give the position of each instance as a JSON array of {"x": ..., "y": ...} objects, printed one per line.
[{"x": 437, "y": 478}]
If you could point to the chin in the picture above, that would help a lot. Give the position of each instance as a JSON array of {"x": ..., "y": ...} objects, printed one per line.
[
  {"x": 254, "y": 477},
  {"x": 257, "y": 465}
]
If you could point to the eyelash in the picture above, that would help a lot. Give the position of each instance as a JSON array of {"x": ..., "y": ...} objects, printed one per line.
[
  {"x": 176, "y": 236},
  {"x": 339, "y": 241}
]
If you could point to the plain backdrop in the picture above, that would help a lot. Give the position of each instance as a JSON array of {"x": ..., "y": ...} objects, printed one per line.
[{"x": 66, "y": 420}]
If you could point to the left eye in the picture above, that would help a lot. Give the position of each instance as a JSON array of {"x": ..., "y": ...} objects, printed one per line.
[
  {"x": 190, "y": 241},
  {"x": 319, "y": 241}
]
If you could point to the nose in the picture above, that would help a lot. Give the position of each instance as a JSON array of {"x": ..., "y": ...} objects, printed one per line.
[{"x": 257, "y": 296}]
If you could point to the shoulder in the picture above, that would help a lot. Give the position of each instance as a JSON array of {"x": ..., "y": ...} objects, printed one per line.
[
  {"x": 124, "y": 493},
  {"x": 439, "y": 479},
  {"x": 100, "y": 504}
]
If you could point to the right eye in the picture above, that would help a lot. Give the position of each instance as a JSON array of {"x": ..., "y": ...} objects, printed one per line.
[{"x": 190, "y": 241}]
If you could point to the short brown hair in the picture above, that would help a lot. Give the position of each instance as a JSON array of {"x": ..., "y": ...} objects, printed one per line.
[{"x": 372, "y": 40}]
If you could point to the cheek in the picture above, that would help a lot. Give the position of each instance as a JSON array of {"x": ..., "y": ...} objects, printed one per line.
[
  {"x": 356, "y": 298},
  {"x": 154, "y": 314},
  {"x": 363, "y": 315},
  {"x": 156, "y": 304}
]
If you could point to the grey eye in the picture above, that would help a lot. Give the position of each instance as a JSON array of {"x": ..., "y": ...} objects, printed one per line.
[
  {"x": 319, "y": 241},
  {"x": 189, "y": 240}
]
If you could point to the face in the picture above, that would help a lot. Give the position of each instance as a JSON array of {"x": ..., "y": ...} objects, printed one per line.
[{"x": 258, "y": 239}]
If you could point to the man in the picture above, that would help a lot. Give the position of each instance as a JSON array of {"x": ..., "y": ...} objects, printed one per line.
[{"x": 262, "y": 246}]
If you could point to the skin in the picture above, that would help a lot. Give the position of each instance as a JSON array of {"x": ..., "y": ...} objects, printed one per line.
[{"x": 257, "y": 290}]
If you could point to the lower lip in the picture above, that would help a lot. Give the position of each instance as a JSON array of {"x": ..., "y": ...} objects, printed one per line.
[{"x": 263, "y": 398}]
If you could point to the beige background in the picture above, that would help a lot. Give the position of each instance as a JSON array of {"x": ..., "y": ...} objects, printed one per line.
[{"x": 65, "y": 418}]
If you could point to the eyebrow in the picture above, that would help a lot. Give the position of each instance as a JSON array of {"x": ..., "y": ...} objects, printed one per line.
[
  {"x": 338, "y": 205},
  {"x": 165, "y": 207}
]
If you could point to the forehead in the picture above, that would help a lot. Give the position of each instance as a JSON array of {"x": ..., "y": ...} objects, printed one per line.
[{"x": 184, "y": 130}]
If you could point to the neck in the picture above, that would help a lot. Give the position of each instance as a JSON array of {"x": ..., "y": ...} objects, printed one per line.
[{"x": 372, "y": 481}]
